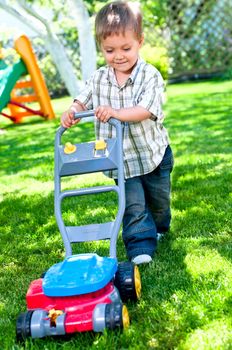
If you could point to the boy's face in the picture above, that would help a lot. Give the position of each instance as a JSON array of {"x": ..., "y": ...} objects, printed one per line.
[{"x": 121, "y": 51}]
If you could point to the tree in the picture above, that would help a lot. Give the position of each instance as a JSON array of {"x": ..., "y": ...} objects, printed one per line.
[
  {"x": 86, "y": 40},
  {"x": 26, "y": 12}
]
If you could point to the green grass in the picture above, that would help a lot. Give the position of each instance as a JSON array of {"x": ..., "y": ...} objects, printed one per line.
[{"x": 187, "y": 290}]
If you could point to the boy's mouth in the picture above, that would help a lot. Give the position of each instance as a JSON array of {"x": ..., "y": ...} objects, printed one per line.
[{"x": 119, "y": 63}]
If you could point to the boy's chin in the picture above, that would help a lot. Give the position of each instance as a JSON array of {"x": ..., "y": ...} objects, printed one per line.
[{"x": 123, "y": 69}]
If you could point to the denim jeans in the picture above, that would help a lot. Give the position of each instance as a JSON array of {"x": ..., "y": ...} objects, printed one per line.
[{"x": 147, "y": 208}]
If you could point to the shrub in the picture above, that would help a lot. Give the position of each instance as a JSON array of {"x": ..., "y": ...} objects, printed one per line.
[
  {"x": 227, "y": 75},
  {"x": 54, "y": 83},
  {"x": 157, "y": 56}
]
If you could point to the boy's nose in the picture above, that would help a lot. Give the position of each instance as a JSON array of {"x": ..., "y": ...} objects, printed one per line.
[{"x": 118, "y": 56}]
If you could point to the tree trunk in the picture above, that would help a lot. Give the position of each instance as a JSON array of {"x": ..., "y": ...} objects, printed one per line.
[
  {"x": 85, "y": 37},
  {"x": 63, "y": 64},
  {"x": 52, "y": 43}
]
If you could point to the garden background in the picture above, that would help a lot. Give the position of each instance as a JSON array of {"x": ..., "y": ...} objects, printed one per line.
[{"x": 187, "y": 289}]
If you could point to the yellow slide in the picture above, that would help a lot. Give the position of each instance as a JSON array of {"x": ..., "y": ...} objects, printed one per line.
[{"x": 17, "y": 104}]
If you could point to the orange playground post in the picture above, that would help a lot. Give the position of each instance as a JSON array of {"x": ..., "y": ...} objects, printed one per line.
[{"x": 17, "y": 103}]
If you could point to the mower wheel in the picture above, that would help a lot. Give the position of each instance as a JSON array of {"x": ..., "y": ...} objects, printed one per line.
[
  {"x": 116, "y": 316},
  {"x": 128, "y": 281},
  {"x": 23, "y": 326}
]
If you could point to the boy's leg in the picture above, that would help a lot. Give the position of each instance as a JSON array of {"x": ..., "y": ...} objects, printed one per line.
[
  {"x": 158, "y": 188},
  {"x": 139, "y": 230}
]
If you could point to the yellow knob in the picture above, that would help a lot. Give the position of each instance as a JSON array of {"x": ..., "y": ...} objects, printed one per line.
[
  {"x": 100, "y": 145},
  {"x": 69, "y": 148}
]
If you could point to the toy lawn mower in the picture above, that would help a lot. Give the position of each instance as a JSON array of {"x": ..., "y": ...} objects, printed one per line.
[{"x": 85, "y": 291}]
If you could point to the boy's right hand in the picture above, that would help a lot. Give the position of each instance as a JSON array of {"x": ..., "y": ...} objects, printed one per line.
[{"x": 67, "y": 118}]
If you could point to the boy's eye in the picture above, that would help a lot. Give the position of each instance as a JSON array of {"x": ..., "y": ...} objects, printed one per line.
[
  {"x": 109, "y": 51},
  {"x": 127, "y": 49}
]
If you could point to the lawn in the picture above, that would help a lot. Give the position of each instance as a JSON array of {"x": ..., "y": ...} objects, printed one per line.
[{"x": 186, "y": 299}]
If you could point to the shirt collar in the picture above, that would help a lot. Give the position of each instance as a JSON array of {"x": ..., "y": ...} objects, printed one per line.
[
  {"x": 135, "y": 70},
  {"x": 111, "y": 76}
]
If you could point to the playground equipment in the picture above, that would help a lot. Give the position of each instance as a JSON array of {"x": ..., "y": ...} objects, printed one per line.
[
  {"x": 85, "y": 291},
  {"x": 11, "y": 83}
]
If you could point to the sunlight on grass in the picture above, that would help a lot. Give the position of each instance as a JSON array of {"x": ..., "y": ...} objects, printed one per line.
[
  {"x": 86, "y": 180},
  {"x": 200, "y": 262},
  {"x": 216, "y": 335},
  {"x": 1, "y": 306},
  {"x": 203, "y": 88},
  {"x": 10, "y": 266},
  {"x": 23, "y": 185}
]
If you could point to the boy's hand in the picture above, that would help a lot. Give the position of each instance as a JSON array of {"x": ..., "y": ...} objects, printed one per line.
[
  {"x": 67, "y": 118},
  {"x": 104, "y": 113}
]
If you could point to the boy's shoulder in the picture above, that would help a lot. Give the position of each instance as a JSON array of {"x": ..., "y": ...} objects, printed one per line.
[
  {"x": 149, "y": 69},
  {"x": 99, "y": 75},
  {"x": 101, "y": 71}
]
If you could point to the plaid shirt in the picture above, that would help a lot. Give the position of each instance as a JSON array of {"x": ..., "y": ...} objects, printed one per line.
[{"x": 144, "y": 142}]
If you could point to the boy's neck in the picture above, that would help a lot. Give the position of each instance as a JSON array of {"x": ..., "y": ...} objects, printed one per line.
[{"x": 121, "y": 77}]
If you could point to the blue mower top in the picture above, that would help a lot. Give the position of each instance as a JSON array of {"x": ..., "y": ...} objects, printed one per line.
[{"x": 79, "y": 274}]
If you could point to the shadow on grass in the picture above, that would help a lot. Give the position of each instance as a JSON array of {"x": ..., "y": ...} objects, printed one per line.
[
  {"x": 29, "y": 227},
  {"x": 26, "y": 148}
]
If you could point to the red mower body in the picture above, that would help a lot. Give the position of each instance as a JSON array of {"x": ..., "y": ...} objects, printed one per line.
[{"x": 78, "y": 309}]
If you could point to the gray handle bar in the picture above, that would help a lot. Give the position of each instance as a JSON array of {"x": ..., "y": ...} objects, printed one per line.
[
  {"x": 86, "y": 114},
  {"x": 59, "y": 195}
]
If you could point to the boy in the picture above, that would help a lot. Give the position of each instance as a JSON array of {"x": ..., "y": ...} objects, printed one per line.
[{"x": 131, "y": 90}]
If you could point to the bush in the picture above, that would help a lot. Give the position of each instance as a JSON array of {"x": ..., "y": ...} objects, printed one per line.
[
  {"x": 227, "y": 75},
  {"x": 54, "y": 83},
  {"x": 157, "y": 56}
]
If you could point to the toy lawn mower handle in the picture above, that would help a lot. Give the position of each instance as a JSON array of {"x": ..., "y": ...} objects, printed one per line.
[
  {"x": 110, "y": 161},
  {"x": 86, "y": 114},
  {"x": 91, "y": 113}
]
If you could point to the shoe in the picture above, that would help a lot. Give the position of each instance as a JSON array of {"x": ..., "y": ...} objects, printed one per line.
[
  {"x": 141, "y": 259},
  {"x": 159, "y": 236}
]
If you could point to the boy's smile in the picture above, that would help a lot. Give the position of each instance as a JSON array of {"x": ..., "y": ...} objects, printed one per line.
[{"x": 121, "y": 52}]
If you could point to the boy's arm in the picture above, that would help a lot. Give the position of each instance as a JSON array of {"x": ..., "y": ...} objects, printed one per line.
[
  {"x": 130, "y": 114},
  {"x": 149, "y": 105}
]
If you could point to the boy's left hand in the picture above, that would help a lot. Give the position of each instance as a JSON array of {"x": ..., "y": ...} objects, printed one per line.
[{"x": 104, "y": 113}]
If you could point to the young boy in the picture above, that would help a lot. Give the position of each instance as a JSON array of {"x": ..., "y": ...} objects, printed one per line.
[{"x": 131, "y": 90}]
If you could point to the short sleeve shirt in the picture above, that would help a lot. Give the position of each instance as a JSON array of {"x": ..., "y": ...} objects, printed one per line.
[{"x": 144, "y": 142}]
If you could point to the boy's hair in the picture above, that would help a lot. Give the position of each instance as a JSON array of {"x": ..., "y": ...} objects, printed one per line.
[{"x": 117, "y": 17}]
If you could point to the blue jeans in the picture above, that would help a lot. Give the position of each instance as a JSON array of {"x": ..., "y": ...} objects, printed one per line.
[{"x": 147, "y": 208}]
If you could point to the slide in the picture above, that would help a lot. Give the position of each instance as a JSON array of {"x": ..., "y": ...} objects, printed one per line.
[
  {"x": 11, "y": 83},
  {"x": 8, "y": 78}
]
